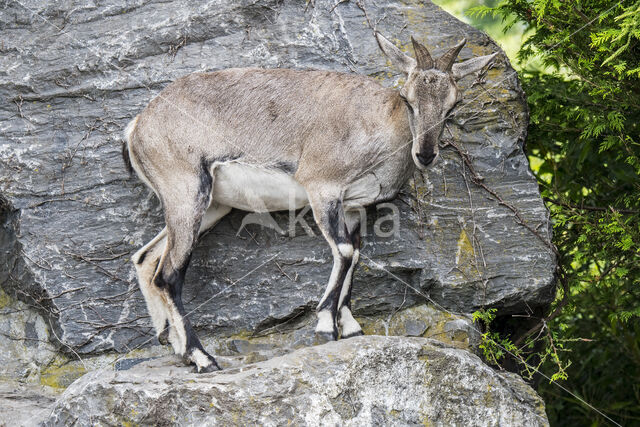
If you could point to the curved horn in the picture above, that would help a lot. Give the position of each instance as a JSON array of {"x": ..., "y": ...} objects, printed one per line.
[
  {"x": 445, "y": 62},
  {"x": 423, "y": 57}
]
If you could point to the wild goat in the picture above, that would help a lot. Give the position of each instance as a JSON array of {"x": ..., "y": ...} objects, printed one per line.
[{"x": 277, "y": 139}]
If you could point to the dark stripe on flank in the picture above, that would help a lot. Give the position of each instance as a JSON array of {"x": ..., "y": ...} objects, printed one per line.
[{"x": 287, "y": 167}]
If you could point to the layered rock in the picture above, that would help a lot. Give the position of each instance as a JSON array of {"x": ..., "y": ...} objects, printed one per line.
[
  {"x": 74, "y": 74},
  {"x": 360, "y": 381}
]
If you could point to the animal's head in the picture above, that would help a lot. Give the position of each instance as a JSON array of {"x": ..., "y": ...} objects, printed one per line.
[{"x": 430, "y": 91}]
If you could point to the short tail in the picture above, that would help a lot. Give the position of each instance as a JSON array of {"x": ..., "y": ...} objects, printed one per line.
[{"x": 125, "y": 145}]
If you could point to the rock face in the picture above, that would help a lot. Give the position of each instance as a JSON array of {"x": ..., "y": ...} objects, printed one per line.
[
  {"x": 360, "y": 381},
  {"x": 72, "y": 76}
]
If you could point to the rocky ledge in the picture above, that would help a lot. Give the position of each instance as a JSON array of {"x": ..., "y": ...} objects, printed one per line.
[{"x": 371, "y": 380}]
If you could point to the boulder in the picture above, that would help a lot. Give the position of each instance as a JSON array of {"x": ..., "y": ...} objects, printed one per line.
[
  {"x": 72, "y": 76},
  {"x": 25, "y": 404},
  {"x": 361, "y": 381}
]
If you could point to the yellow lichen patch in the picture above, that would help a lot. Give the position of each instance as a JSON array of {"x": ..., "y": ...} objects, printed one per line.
[
  {"x": 5, "y": 300},
  {"x": 413, "y": 17},
  {"x": 242, "y": 335},
  {"x": 133, "y": 412},
  {"x": 478, "y": 50},
  {"x": 466, "y": 256},
  {"x": 422, "y": 320},
  {"x": 364, "y": 267},
  {"x": 494, "y": 74},
  {"x": 61, "y": 374}
]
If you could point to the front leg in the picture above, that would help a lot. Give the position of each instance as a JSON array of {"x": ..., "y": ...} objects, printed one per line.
[
  {"x": 329, "y": 215},
  {"x": 349, "y": 327}
]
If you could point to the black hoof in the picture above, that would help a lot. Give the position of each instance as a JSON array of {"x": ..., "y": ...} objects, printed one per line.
[
  {"x": 202, "y": 360},
  {"x": 163, "y": 337},
  {"x": 213, "y": 367},
  {"x": 325, "y": 337},
  {"x": 351, "y": 335}
]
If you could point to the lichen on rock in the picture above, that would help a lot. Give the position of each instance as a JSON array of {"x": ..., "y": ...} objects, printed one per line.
[{"x": 360, "y": 381}]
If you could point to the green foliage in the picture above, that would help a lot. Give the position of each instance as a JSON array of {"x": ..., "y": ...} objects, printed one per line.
[
  {"x": 584, "y": 144},
  {"x": 494, "y": 347},
  {"x": 585, "y": 134}
]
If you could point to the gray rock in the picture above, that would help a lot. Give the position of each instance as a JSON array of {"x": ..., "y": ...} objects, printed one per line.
[
  {"x": 25, "y": 404},
  {"x": 25, "y": 345},
  {"x": 361, "y": 381},
  {"x": 72, "y": 75}
]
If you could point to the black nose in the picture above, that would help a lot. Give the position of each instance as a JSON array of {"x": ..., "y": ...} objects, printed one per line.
[{"x": 426, "y": 158}]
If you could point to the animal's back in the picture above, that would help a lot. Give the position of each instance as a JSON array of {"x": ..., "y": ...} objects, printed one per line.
[{"x": 265, "y": 114}]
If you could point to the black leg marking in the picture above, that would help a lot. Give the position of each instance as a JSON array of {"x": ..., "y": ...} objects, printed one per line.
[
  {"x": 336, "y": 227},
  {"x": 142, "y": 257},
  {"x": 331, "y": 302},
  {"x": 332, "y": 222},
  {"x": 354, "y": 334},
  {"x": 348, "y": 325},
  {"x": 194, "y": 351},
  {"x": 183, "y": 224}
]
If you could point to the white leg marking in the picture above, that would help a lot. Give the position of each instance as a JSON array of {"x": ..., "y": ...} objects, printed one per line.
[
  {"x": 212, "y": 216},
  {"x": 356, "y": 257},
  {"x": 345, "y": 249},
  {"x": 155, "y": 300},
  {"x": 348, "y": 278},
  {"x": 174, "y": 339},
  {"x": 179, "y": 341},
  {"x": 348, "y": 324},
  {"x": 325, "y": 322},
  {"x": 335, "y": 271},
  {"x": 200, "y": 359},
  {"x": 155, "y": 305}
]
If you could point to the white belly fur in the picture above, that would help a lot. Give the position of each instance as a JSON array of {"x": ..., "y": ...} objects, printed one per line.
[{"x": 256, "y": 189}]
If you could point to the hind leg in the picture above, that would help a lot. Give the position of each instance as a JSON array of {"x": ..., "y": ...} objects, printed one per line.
[
  {"x": 146, "y": 261},
  {"x": 170, "y": 278},
  {"x": 186, "y": 197},
  {"x": 211, "y": 217}
]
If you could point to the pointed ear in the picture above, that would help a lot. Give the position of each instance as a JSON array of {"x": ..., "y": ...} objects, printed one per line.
[
  {"x": 399, "y": 60},
  {"x": 461, "y": 69}
]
